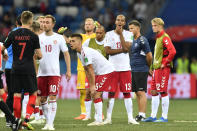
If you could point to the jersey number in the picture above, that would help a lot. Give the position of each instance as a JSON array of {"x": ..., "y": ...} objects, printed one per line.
[
  {"x": 53, "y": 88},
  {"x": 128, "y": 86},
  {"x": 119, "y": 46},
  {"x": 48, "y": 48},
  {"x": 22, "y": 51}
]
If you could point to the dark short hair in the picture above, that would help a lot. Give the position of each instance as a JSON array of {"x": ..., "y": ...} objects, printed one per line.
[
  {"x": 18, "y": 20},
  {"x": 78, "y": 36},
  {"x": 135, "y": 22},
  {"x": 67, "y": 33}
]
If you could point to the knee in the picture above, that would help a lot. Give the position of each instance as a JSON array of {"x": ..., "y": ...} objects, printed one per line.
[
  {"x": 127, "y": 95},
  {"x": 154, "y": 93},
  {"x": 111, "y": 95},
  {"x": 163, "y": 94},
  {"x": 43, "y": 99}
]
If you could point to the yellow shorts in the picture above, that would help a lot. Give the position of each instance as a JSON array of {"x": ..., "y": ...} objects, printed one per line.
[{"x": 81, "y": 79}]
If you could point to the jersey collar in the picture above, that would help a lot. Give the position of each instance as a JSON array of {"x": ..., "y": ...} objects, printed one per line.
[{"x": 160, "y": 34}]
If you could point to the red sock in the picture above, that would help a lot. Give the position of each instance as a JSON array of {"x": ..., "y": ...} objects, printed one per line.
[
  {"x": 30, "y": 106},
  {"x": 17, "y": 107},
  {"x": 36, "y": 110},
  {"x": 4, "y": 97},
  {"x": 41, "y": 112}
]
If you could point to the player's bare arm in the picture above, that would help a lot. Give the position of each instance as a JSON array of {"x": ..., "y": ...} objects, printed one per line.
[
  {"x": 67, "y": 60},
  {"x": 110, "y": 51},
  {"x": 38, "y": 54},
  {"x": 149, "y": 58},
  {"x": 89, "y": 70},
  {"x": 125, "y": 45}
]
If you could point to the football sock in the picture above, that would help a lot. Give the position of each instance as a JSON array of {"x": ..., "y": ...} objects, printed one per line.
[
  {"x": 25, "y": 102},
  {"x": 6, "y": 110},
  {"x": 30, "y": 106},
  {"x": 88, "y": 104},
  {"x": 52, "y": 111},
  {"x": 110, "y": 108},
  {"x": 36, "y": 113},
  {"x": 142, "y": 114},
  {"x": 155, "y": 105},
  {"x": 98, "y": 105},
  {"x": 82, "y": 101},
  {"x": 17, "y": 107},
  {"x": 129, "y": 107},
  {"x": 165, "y": 106},
  {"x": 41, "y": 112},
  {"x": 4, "y": 96},
  {"x": 45, "y": 110}
]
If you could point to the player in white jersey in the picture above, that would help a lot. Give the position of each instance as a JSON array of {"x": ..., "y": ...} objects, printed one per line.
[
  {"x": 51, "y": 44},
  {"x": 117, "y": 45},
  {"x": 99, "y": 72}
]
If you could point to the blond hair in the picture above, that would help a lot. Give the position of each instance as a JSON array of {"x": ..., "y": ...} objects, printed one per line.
[
  {"x": 89, "y": 19},
  {"x": 35, "y": 26},
  {"x": 26, "y": 16},
  {"x": 39, "y": 17},
  {"x": 53, "y": 18},
  {"x": 158, "y": 21}
]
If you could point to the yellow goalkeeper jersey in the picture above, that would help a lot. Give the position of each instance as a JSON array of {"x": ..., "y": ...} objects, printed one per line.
[{"x": 85, "y": 37}]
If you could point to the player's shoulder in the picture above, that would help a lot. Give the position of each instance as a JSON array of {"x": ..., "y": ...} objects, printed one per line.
[
  {"x": 126, "y": 32},
  {"x": 110, "y": 32},
  {"x": 143, "y": 39}
]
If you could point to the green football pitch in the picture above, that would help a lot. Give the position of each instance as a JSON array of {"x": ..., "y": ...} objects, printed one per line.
[{"x": 182, "y": 117}]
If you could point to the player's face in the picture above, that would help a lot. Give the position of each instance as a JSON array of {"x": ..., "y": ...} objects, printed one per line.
[
  {"x": 155, "y": 27},
  {"x": 134, "y": 29},
  {"x": 100, "y": 33},
  {"x": 120, "y": 21},
  {"x": 41, "y": 22},
  {"x": 89, "y": 25},
  {"x": 74, "y": 43},
  {"x": 48, "y": 25}
]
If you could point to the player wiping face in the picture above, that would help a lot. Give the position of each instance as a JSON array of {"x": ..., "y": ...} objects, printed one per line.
[{"x": 120, "y": 23}]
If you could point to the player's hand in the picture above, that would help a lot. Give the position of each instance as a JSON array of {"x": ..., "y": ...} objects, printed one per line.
[
  {"x": 92, "y": 91},
  {"x": 68, "y": 75},
  {"x": 119, "y": 30},
  {"x": 162, "y": 66},
  {"x": 150, "y": 72},
  {"x": 5, "y": 57}
]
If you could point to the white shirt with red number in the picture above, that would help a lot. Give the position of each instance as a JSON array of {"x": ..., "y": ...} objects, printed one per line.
[
  {"x": 120, "y": 61},
  {"x": 100, "y": 64},
  {"x": 50, "y": 47}
]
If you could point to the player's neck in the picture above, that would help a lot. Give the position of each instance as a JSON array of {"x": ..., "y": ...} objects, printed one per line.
[
  {"x": 49, "y": 33},
  {"x": 137, "y": 36},
  {"x": 79, "y": 49},
  {"x": 89, "y": 33},
  {"x": 25, "y": 26}
]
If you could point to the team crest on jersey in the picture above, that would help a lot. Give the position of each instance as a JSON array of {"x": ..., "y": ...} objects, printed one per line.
[{"x": 55, "y": 42}]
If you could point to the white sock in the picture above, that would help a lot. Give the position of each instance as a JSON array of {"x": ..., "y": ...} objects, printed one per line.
[
  {"x": 41, "y": 116},
  {"x": 37, "y": 115},
  {"x": 25, "y": 101},
  {"x": 98, "y": 109},
  {"x": 165, "y": 106},
  {"x": 129, "y": 107},
  {"x": 155, "y": 105},
  {"x": 52, "y": 111},
  {"x": 88, "y": 105},
  {"x": 142, "y": 114},
  {"x": 45, "y": 108},
  {"x": 110, "y": 108}
]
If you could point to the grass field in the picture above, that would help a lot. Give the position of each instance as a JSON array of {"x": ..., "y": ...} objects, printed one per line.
[{"x": 182, "y": 117}]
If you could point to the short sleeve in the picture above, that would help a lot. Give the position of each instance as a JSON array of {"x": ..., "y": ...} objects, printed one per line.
[
  {"x": 9, "y": 40},
  {"x": 36, "y": 42},
  {"x": 145, "y": 45},
  {"x": 86, "y": 43},
  {"x": 128, "y": 37},
  {"x": 107, "y": 40},
  {"x": 63, "y": 45},
  {"x": 86, "y": 57}
]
